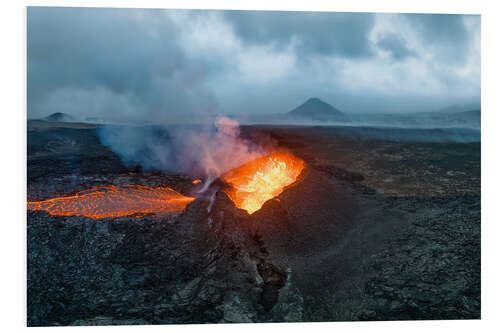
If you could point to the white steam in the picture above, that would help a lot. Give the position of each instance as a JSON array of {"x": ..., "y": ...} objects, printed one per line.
[
  {"x": 223, "y": 151},
  {"x": 207, "y": 151}
]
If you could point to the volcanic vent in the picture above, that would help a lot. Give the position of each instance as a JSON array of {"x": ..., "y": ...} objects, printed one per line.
[{"x": 264, "y": 178}]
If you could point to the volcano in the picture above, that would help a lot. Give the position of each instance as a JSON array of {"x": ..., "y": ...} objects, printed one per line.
[{"x": 316, "y": 109}]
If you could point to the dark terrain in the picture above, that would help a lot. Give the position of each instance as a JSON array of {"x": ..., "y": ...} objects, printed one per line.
[
  {"x": 383, "y": 224},
  {"x": 315, "y": 112}
]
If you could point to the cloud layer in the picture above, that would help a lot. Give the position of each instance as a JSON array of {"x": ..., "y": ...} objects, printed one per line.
[{"x": 168, "y": 65}]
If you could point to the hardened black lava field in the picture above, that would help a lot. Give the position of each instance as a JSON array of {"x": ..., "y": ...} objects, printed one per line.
[{"x": 380, "y": 225}]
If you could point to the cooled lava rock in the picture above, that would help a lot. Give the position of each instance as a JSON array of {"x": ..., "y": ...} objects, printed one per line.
[{"x": 372, "y": 230}]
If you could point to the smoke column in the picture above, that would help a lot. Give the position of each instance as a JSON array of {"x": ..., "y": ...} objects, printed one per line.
[{"x": 208, "y": 151}]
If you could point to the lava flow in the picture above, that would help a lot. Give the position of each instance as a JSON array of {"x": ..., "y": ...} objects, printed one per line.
[
  {"x": 113, "y": 201},
  {"x": 264, "y": 178}
]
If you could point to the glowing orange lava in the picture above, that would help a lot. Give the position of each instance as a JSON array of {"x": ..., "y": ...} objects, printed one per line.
[
  {"x": 262, "y": 179},
  {"x": 113, "y": 201}
]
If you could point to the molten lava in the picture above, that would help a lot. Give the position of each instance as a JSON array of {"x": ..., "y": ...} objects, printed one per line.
[
  {"x": 113, "y": 201},
  {"x": 262, "y": 179}
]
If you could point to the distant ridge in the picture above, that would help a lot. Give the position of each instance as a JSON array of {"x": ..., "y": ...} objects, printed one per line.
[
  {"x": 59, "y": 116},
  {"x": 460, "y": 108},
  {"x": 316, "y": 109}
]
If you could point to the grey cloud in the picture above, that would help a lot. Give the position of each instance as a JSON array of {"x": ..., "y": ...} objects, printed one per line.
[
  {"x": 117, "y": 62},
  {"x": 396, "y": 46},
  {"x": 440, "y": 28},
  {"x": 446, "y": 32},
  {"x": 127, "y": 52},
  {"x": 344, "y": 34}
]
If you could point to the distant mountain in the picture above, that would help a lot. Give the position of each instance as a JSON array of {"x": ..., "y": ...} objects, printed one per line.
[
  {"x": 459, "y": 108},
  {"x": 472, "y": 118},
  {"x": 316, "y": 109},
  {"x": 471, "y": 113},
  {"x": 59, "y": 117},
  {"x": 434, "y": 119}
]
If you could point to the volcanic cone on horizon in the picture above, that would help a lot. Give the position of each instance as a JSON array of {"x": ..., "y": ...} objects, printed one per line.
[{"x": 316, "y": 109}]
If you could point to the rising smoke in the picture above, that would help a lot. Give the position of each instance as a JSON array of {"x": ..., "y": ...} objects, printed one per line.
[{"x": 201, "y": 150}]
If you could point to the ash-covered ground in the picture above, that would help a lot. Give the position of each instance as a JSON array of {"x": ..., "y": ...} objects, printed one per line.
[{"x": 382, "y": 224}]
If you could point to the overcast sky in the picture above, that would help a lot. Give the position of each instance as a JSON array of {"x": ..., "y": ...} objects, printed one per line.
[{"x": 158, "y": 64}]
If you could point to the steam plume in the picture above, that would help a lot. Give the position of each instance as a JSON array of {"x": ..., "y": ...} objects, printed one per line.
[{"x": 206, "y": 151}]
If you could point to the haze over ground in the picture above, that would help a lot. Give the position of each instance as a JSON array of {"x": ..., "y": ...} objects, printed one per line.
[{"x": 153, "y": 64}]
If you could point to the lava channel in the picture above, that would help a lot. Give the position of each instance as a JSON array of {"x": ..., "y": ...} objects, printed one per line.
[
  {"x": 113, "y": 201},
  {"x": 264, "y": 178}
]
